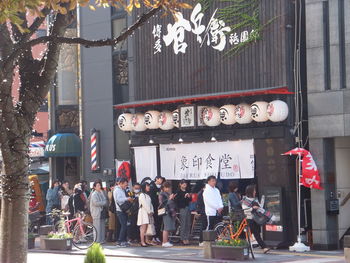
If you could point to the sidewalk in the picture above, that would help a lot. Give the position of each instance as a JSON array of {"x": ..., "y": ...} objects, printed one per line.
[{"x": 195, "y": 254}]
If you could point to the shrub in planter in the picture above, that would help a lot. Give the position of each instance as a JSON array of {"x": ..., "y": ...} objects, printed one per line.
[
  {"x": 58, "y": 241},
  {"x": 95, "y": 254},
  {"x": 232, "y": 249}
]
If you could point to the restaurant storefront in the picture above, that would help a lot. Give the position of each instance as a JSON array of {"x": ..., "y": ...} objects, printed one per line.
[{"x": 195, "y": 111}]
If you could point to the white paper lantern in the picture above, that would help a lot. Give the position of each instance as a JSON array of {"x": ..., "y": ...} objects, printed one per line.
[
  {"x": 138, "y": 123},
  {"x": 243, "y": 113},
  {"x": 166, "y": 120},
  {"x": 227, "y": 114},
  {"x": 176, "y": 118},
  {"x": 211, "y": 116},
  {"x": 152, "y": 119},
  {"x": 277, "y": 110},
  {"x": 259, "y": 111},
  {"x": 124, "y": 122}
]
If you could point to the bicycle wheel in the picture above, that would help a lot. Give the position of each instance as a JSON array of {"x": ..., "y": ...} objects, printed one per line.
[
  {"x": 85, "y": 239},
  {"x": 222, "y": 230}
]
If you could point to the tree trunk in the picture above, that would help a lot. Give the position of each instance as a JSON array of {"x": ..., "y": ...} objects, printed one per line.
[{"x": 14, "y": 204}]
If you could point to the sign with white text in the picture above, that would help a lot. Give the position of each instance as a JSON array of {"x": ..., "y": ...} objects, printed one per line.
[{"x": 197, "y": 161}]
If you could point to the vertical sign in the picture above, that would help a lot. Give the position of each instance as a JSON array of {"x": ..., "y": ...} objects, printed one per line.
[{"x": 95, "y": 150}]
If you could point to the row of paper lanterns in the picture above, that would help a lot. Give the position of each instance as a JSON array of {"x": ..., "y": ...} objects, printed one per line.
[{"x": 260, "y": 111}]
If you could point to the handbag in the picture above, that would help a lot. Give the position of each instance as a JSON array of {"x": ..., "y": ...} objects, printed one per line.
[
  {"x": 161, "y": 211},
  {"x": 104, "y": 213},
  {"x": 151, "y": 229},
  {"x": 125, "y": 207},
  {"x": 260, "y": 218}
]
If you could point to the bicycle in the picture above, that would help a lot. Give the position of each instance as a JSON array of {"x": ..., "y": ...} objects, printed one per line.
[
  {"x": 232, "y": 227},
  {"x": 82, "y": 232},
  {"x": 194, "y": 231}
]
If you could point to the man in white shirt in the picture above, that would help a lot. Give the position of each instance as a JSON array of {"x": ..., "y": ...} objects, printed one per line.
[{"x": 212, "y": 202}]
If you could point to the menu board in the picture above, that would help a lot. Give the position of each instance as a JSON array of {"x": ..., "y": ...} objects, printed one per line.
[{"x": 273, "y": 203}]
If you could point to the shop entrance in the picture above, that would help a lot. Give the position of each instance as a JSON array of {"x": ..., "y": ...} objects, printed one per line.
[{"x": 342, "y": 164}]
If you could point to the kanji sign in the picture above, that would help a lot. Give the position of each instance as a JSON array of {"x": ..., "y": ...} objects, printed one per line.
[
  {"x": 215, "y": 34},
  {"x": 196, "y": 161}
]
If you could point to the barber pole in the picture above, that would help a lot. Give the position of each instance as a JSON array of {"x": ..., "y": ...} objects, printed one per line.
[{"x": 95, "y": 152}]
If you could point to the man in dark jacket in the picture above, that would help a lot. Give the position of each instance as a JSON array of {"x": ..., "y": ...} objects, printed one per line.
[{"x": 154, "y": 192}]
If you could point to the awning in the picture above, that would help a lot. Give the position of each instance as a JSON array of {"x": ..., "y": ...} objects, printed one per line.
[
  {"x": 63, "y": 145},
  {"x": 203, "y": 97}
]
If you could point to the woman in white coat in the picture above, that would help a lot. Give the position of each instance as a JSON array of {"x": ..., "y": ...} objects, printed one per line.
[
  {"x": 97, "y": 203},
  {"x": 145, "y": 212}
]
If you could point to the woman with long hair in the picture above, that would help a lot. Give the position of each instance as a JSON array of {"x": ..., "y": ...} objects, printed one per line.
[
  {"x": 250, "y": 203},
  {"x": 234, "y": 197},
  {"x": 145, "y": 212},
  {"x": 183, "y": 199}
]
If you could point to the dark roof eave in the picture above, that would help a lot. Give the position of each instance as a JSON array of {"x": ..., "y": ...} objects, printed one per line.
[{"x": 204, "y": 97}]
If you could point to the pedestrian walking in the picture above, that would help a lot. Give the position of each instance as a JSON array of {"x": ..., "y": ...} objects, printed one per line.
[
  {"x": 183, "y": 199},
  {"x": 250, "y": 203},
  {"x": 212, "y": 202},
  {"x": 145, "y": 213},
  {"x": 122, "y": 201},
  {"x": 168, "y": 206},
  {"x": 98, "y": 209}
]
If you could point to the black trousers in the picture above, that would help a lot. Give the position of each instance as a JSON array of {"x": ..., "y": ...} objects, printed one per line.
[
  {"x": 255, "y": 228},
  {"x": 158, "y": 224},
  {"x": 133, "y": 229},
  {"x": 212, "y": 221},
  {"x": 204, "y": 222}
]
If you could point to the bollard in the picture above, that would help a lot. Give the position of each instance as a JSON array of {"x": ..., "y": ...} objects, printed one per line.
[
  {"x": 347, "y": 248},
  {"x": 208, "y": 238}
]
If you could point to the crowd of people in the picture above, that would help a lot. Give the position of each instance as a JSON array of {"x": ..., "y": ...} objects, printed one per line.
[{"x": 147, "y": 212}]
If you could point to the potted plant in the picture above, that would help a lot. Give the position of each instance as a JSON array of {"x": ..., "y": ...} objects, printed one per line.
[
  {"x": 58, "y": 241},
  {"x": 95, "y": 254},
  {"x": 230, "y": 249},
  {"x": 31, "y": 240}
]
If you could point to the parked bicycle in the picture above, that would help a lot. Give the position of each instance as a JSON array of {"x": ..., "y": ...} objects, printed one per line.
[
  {"x": 195, "y": 229},
  {"x": 82, "y": 232},
  {"x": 235, "y": 226}
]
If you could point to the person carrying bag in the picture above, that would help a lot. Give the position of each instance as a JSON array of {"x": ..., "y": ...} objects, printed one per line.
[{"x": 256, "y": 215}]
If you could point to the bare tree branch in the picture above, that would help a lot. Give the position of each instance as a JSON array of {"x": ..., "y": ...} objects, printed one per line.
[{"x": 87, "y": 43}]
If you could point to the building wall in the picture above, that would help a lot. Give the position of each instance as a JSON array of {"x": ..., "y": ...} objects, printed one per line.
[
  {"x": 97, "y": 95},
  {"x": 328, "y": 88},
  {"x": 203, "y": 69}
]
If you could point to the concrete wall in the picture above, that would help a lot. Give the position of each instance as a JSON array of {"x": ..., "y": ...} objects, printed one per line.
[
  {"x": 97, "y": 90},
  {"x": 329, "y": 115}
]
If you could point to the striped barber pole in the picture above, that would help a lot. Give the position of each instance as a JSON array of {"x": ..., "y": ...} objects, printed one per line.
[{"x": 95, "y": 163}]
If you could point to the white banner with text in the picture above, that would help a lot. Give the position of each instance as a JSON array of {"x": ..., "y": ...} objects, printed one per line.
[
  {"x": 197, "y": 161},
  {"x": 145, "y": 162}
]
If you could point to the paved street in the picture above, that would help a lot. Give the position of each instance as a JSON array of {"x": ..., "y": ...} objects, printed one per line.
[{"x": 179, "y": 254}]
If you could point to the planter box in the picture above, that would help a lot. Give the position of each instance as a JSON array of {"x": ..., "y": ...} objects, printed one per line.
[
  {"x": 44, "y": 230},
  {"x": 230, "y": 253},
  {"x": 42, "y": 242},
  {"x": 58, "y": 244},
  {"x": 31, "y": 242}
]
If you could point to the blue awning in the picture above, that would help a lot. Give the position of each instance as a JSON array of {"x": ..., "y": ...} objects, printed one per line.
[{"x": 63, "y": 145}]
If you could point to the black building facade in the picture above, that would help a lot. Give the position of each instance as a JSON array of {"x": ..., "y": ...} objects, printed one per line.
[{"x": 174, "y": 65}]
